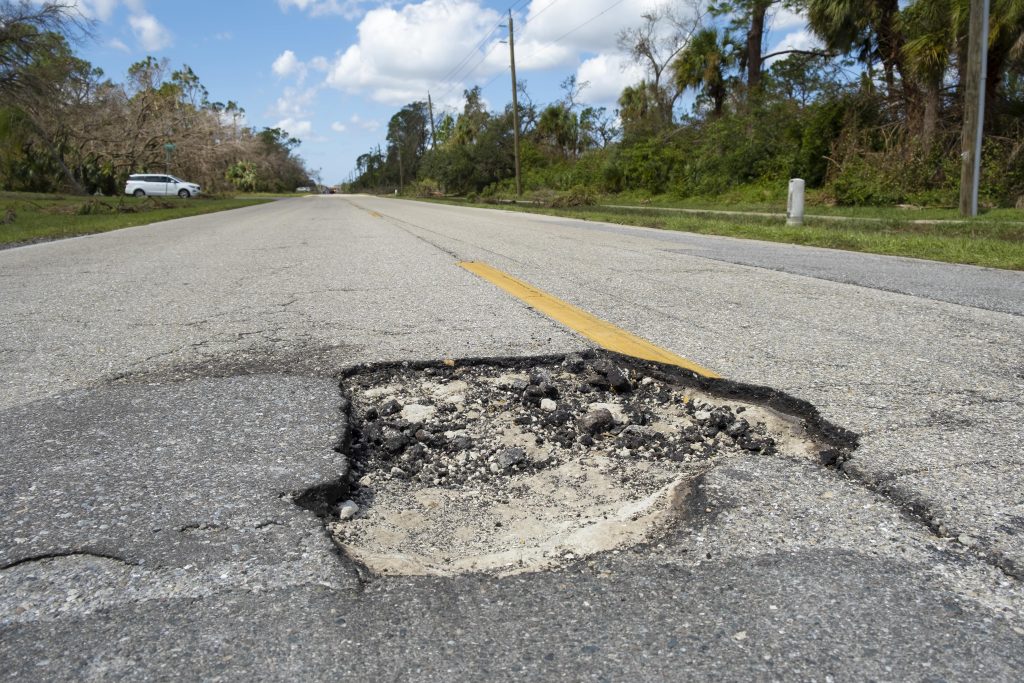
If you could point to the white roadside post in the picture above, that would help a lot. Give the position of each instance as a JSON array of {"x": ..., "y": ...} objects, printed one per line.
[{"x": 795, "y": 202}]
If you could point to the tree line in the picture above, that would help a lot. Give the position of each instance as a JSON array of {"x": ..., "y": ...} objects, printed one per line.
[
  {"x": 65, "y": 127},
  {"x": 872, "y": 116}
]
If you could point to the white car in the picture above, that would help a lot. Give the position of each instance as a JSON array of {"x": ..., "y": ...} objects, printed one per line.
[{"x": 141, "y": 184}]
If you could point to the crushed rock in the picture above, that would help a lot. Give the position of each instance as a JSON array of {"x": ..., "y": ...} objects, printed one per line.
[{"x": 478, "y": 468}]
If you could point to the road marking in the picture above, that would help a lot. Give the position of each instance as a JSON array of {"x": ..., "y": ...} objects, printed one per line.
[{"x": 605, "y": 334}]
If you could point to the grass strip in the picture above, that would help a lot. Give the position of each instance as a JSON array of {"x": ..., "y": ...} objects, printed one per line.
[
  {"x": 997, "y": 242},
  {"x": 27, "y": 218}
]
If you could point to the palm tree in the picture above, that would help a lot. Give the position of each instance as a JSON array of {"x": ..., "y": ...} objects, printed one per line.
[
  {"x": 559, "y": 128},
  {"x": 642, "y": 109},
  {"x": 931, "y": 28},
  {"x": 703, "y": 64},
  {"x": 936, "y": 41},
  {"x": 869, "y": 28}
]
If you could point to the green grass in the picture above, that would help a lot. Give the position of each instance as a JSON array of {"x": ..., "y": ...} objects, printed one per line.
[
  {"x": 885, "y": 213},
  {"x": 996, "y": 241},
  {"x": 772, "y": 199},
  {"x": 27, "y": 217}
]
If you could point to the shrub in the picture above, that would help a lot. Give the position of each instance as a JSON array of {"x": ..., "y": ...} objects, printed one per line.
[
  {"x": 863, "y": 181},
  {"x": 577, "y": 196}
]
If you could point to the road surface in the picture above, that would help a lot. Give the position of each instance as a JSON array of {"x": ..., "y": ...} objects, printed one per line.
[{"x": 167, "y": 387}]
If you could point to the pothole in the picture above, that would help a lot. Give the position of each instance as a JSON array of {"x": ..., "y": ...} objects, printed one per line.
[{"x": 515, "y": 466}]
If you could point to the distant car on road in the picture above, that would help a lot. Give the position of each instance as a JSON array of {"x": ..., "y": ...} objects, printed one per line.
[
  {"x": 140, "y": 185},
  {"x": 302, "y": 189}
]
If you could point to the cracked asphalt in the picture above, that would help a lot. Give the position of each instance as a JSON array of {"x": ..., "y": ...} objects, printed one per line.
[{"x": 168, "y": 389}]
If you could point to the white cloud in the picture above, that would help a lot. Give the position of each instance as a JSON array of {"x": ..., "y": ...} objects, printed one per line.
[
  {"x": 287, "y": 64},
  {"x": 294, "y": 111},
  {"x": 239, "y": 119},
  {"x": 574, "y": 26},
  {"x": 150, "y": 33},
  {"x": 339, "y": 127},
  {"x": 403, "y": 53},
  {"x": 607, "y": 75},
  {"x": 101, "y": 10},
  {"x": 797, "y": 40},
  {"x": 295, "y": 103},
  {"x": 118, "y": 44},
  {"x": 787, "y": 19},
  {"x": 296, "y": 128}
]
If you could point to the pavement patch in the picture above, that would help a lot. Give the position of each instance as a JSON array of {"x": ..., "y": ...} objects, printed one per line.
[{"x": 521, "y": 465}]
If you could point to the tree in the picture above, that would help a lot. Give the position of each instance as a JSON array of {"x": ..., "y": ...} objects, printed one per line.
[
  {"x": 444, "y": 130},
  {"x": 243, "y": 176},
  {"x": 749, "y": 18},
  {"x": 640, "y": 111},
  {"x": 472, "y": 120},
  {"x": 597, "y": 128},
  {"x": 666, "y": 30},
  {"x": 408, "y": 138},
  {"x": 76, "y": 131},
  {"x": 803, "y": 78},
  {"x": 28, "y": 28},
  {"x": 704, "y": 64},
  {"x": 868, "y": 28},
  {"x": 558, "y": 129},
  {"x": 54, "y": 84}
]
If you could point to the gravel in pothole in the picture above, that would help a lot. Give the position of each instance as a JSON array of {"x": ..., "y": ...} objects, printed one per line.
[{"x": 487, "y": 468}]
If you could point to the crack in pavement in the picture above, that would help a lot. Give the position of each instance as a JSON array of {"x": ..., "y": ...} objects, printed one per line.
[{"x": 59, "y": 554}]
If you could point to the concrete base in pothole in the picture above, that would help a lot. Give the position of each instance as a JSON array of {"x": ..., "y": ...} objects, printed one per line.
[{"x": 525, "y": 465}]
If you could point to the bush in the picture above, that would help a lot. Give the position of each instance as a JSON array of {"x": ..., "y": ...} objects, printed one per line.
[
  {"x": 861, "y": 182},
  {"x": 424, "y": 188},
  {"x": 577, "y": 196}
]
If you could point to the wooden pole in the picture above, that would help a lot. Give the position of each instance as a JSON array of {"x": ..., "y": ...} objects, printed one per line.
[
  {"x": 515, "y": 102},
  {"x": 430, "y": 109},
  {"x": 974, "y": 108}
]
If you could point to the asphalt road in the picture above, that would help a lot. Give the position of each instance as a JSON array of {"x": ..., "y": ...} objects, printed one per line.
[{"x": 166, "y": 388}]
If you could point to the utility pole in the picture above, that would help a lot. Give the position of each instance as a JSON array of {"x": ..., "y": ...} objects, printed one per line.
[
  {"x": 401, "y": 170},
  {"x": 515, "y": 102},
  {"x": 380, "y": 169},
  {"x": 974, "y": 107},
  {"x": 430, "y": 109}
]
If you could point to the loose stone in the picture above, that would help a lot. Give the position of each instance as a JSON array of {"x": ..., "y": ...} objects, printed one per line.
[
  {"x": 348, "y": 510},
  {"x": 597, "y": 421},
  {"x": 389, "y": 407}
]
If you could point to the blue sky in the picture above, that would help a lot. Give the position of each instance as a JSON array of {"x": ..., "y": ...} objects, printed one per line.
[{"x": 332, "y": 72}]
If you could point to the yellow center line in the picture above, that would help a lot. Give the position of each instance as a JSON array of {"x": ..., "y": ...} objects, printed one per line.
[{"x": 603, "y": 333}]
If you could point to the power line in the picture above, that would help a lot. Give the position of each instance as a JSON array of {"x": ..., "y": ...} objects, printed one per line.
[
  {"x": 451, "y": 74},
  {"x": 469, "y": 55},
  {"x": 469, "y": 73},
  {"x": 456, "y": 73},
  {"x": 559, "y": 38},
  {"x": 588, "y": 21}
]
